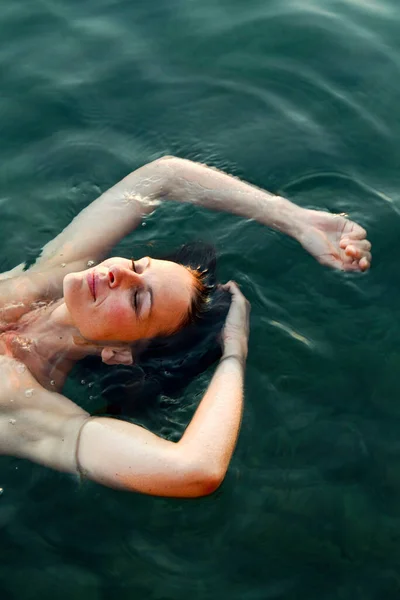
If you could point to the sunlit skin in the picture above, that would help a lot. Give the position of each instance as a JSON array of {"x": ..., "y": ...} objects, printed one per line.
[
  {"x": 121, "y": 300},
  {"x": 57, "y": 312}
]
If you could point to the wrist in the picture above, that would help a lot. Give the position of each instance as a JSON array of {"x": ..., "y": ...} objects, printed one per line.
[
  {"x": 286, "y": 216},
  {"x": 235, "y": 348},
  {"x": 234, "y": 358}
]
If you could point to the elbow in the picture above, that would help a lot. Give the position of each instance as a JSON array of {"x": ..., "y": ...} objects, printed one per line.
[
  {"x": 204, "y": 480},
  {"x": 164, "y": 170},
  {"x": 172, "y": 165},
  {"x": 210, "y": 484},
  {"x": 166, "y": 158},
  {"x": 165, "y": 162},
  {"x": 166, "y": 166}
]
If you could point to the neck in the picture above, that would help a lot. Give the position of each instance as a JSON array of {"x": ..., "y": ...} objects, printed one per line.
[{"x": 54, "y": 335}]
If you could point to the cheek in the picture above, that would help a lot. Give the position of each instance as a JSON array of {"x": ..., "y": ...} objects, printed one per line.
[
  {"x": 68, "y": 291},
  {"x": 116, "y": 314},
  {"x": 74, "y": 295},
  {"x": 117, "y": 318}
]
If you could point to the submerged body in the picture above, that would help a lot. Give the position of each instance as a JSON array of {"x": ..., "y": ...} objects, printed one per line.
[{"x": 69, "y": 305}]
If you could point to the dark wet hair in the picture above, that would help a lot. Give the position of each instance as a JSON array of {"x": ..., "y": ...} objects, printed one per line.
[
  {"x": 164, "y": 366},
  {"x": 203, "y": 279}
]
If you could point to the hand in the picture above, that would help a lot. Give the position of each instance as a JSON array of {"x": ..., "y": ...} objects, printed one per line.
[
  {"x": 236, "y": 330},
  {"x": 335, "y": 241}
]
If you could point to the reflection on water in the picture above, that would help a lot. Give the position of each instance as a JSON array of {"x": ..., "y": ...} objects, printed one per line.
[{"x": 300, "y": 97}]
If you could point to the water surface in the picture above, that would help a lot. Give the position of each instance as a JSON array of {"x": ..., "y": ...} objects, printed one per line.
[{"x": 299, "y": 97}]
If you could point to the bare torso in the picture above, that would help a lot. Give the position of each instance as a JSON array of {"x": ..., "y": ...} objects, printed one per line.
[{"x": 26, "y": 368}]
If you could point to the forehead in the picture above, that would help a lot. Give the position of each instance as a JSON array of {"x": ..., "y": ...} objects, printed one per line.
[
  {"x": 172, "y": 290},
  {"x": 170, "y": 280},
  {"x": 170, "y": 269}
]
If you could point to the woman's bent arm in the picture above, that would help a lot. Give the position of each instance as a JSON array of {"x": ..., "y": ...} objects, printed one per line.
[
  {"x": 331, "y": 239},
  {"x": 118, "y": 454},
  {"x": 121, "y": 455},
  {"x": 47, "y": 428}
]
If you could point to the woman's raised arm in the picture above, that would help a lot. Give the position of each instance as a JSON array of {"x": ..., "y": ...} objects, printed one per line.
[{"x": 332, "y": 239}]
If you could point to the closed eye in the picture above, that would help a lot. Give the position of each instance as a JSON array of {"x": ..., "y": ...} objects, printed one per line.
[{"x": 135, "y": 294}]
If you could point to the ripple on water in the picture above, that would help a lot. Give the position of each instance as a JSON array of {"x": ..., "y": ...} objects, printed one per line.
[{"x": 300, "y": 96}]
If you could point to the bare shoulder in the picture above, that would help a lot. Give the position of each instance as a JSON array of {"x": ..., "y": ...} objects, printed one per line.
[
  {"x": 20, "y": 293},
  {"x": 17, "y": 382},
  {"x": 36, "y": 424},
  {"x": 14, "y": 376}
]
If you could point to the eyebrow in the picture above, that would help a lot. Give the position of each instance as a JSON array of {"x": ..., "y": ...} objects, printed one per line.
[
  {"x": 150, "y": 288},
  {"x": 151, "y": 300}
]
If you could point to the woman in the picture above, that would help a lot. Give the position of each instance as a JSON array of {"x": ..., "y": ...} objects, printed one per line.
[{"x": 60, "y": 311}]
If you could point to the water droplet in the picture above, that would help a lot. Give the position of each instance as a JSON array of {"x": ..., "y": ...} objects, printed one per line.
[
  {"x": 90, "y": 397},
  {"x": 21, "y": 368},
  {"x": 28, "y": 393},
  {"x": 90, "y": 385},
  {"x": 143, "y": 224},
  {"x": 52, "y": 382},
  {"x": 83, "y": 381},
  {"x": 90, "y": 263},
  {"x": 63, "y": 265},
  {"x": 1, "y": 491},
  {"x": 12, "y": 421}
]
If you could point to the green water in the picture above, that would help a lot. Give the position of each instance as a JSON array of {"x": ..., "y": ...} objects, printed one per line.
[{"x": 302, "y": 98}]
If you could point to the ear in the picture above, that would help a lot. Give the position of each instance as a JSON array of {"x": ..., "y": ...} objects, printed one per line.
[{"x": 116, "y": 356}]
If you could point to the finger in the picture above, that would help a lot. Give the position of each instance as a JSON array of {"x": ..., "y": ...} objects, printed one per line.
[
  {"x": 239, "y": 304},
  {"x": 229, "y": 286},
  {"x": 232, "y": 288},
  {"x": 362, "y": 244},
  {"x": 358, "y": 265},
  {"x": 352, "y": 251},
  {"x": 353, "y": 266},
  {"x": 357, "y": 253},
  {"x": 367, "y": 256},
  {"x": 357, "y": 232},
  {"x": 347, "y": 258},
  {"x": 365, "y": 264},
  {"x": 348, "y": 263}
]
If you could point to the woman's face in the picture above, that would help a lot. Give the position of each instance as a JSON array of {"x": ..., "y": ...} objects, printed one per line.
[{"x": 122, "y": 300}]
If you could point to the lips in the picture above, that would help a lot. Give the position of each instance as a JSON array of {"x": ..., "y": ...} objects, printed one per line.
[{"x": 92, "y": 284}]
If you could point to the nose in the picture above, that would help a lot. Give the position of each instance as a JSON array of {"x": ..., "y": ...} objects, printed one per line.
[{"x": 118, "y": 275}]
